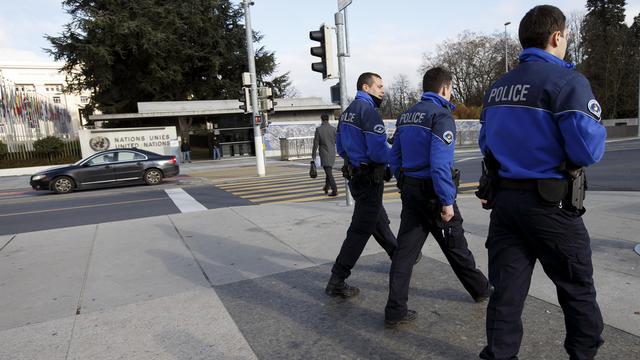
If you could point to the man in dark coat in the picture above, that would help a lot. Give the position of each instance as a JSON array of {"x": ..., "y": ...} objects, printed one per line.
[{"x": 325, "y": 139}]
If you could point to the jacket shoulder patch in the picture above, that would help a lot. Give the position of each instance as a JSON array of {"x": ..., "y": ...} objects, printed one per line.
[
  {"x": 595, "y": 108},
  {"x": 447, "y": 137}
]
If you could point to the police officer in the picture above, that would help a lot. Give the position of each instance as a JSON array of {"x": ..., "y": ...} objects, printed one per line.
[
  {"x": 538, "y": 119},
  {"x": 362, "y": 141},
  {"x": 422, "y": 161}
]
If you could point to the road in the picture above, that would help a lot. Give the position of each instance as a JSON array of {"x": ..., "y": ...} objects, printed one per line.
[
  {"x": 24, "y": 210},
  {"x": 619, "y": 169}
]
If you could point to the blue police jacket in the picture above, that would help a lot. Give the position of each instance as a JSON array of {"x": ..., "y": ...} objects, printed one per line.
[
  {"x": 539, "y": 115},
  {"x": 361, "y": 134},
  {"x": 423, "y": 144}
]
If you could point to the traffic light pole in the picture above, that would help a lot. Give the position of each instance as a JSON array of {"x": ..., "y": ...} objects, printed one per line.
[
  {"x": 340, "y": 35},
  {"x": 257, "y": 134}
]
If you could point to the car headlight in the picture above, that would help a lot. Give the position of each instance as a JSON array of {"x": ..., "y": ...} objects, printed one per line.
[{"x": 38, "y": 177}]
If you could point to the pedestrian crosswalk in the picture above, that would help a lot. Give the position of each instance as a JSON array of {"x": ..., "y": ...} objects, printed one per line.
[{"x": 298, "y": 187}]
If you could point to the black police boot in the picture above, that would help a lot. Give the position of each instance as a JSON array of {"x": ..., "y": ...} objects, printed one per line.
[
  {"x": 392, "y": 324},
  {"x": 484, "y": 297},
  {"x": 337, "y": 287}
]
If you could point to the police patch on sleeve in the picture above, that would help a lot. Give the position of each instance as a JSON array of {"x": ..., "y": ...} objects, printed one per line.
[
  {"x": 447, "y": 137},
  {"x": 595, "y": 108},
  {"x": 378, "y": 129}
]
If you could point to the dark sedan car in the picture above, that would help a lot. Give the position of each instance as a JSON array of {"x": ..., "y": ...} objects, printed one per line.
[{"x": 108, "y": 168}]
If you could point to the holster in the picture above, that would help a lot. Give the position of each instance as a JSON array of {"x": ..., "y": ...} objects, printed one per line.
[
  {"x": 400, "y": 179},
  {"x": 577, "y": 185},
  {"x": 489, "y": 181},
  {"x": 455, "y": 176},
  {"x": 347, "y": 169}
]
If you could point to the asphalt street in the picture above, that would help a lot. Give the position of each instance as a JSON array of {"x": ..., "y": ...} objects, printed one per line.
[
  {"x": 24, "y": 210},
  {"x": 33, "y": 211}
]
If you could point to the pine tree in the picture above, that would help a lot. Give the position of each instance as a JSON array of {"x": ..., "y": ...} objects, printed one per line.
[
  {"x": 127, "y": 51},
  {"x": 607, "y": 64}
]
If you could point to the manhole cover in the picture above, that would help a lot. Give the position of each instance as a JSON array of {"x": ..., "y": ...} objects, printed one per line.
[{"x": 637, "y": 249}]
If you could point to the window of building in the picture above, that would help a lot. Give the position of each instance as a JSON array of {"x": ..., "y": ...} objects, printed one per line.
[
  {"x": 53, "y": 87},
  {"x": 56, "y": 99},
  {"x": 84, "y": 99}
]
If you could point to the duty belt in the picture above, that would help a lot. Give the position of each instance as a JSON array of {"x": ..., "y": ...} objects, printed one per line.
[
  {"x": 417, "y": 181},
  {"x": 518, "y": 184}
]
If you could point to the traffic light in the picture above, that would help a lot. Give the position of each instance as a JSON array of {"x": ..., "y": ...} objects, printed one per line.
[
  {"x": 245, "y": 99},
  {"x": 325, "y": 51},
  {"x": 265, "y": 96}
]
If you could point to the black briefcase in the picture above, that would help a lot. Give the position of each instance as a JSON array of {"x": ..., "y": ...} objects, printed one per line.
[{"x": 313, "y": 173}]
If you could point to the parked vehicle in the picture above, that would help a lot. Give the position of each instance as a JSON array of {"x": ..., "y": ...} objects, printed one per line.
[{"x": 108, "y": 168}]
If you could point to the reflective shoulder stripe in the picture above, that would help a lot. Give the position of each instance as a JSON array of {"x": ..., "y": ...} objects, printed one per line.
[{"x": 518, "y": 106}]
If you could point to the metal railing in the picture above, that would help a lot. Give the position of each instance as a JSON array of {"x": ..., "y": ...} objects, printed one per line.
[
  {"x": 299, "y": 147},
  {"x": 24, "y": 150}
]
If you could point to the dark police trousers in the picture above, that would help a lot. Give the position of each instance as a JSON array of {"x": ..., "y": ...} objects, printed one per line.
[
  {"x": 524, "y": 229},
  {"x": 417, "y": 220},
  {"x": 329, "y": 181},
  {"x": 369, "y": 218}
]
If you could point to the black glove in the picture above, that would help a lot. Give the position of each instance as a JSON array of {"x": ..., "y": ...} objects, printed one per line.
[{"x": 387, "y": 174}]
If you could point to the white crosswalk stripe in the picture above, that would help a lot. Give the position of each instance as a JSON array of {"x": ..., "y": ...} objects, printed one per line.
[
  {"x": 183, "y": 201},
  {"x": 298, "y": 187}
]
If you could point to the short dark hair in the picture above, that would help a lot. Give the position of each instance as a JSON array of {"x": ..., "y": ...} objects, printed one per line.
[
  {"x": 538, "y": 24},
  {"x": 324, "y": 117},
  {"x": 366, "y": 78},
  {"x": 435, "y": 78}
]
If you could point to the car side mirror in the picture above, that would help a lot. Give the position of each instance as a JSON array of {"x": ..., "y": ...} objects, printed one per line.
[{"x": 85, "y": 164}]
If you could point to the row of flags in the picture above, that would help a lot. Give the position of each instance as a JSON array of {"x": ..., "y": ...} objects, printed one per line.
[{"x": 29, "y": 108}]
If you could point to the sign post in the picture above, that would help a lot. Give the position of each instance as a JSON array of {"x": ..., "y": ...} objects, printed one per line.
[
  {"x": 257, "y": 134},
  {"x": 342, "y": 53}
]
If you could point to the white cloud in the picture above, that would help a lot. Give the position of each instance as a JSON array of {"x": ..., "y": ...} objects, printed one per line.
[
  {"x": 631, "y": 12},
  {"x": 19, "y": 56},
  {"x": 390, "y": 52}
]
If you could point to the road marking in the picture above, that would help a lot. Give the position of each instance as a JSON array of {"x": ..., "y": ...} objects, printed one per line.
[
  {"x": 82, "y": 207},
  {"x": 299, "y": 179},
  {"x": 469, "y": 158},
  {"x": 293, "y": 188},
  {"x": 183, "y": 201}
]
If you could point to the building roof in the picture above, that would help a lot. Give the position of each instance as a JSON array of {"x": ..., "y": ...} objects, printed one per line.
[{"x": 155, "y": 109}]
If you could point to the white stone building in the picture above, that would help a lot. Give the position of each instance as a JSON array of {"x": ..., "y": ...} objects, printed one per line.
[{"x": 47, "y": 80}]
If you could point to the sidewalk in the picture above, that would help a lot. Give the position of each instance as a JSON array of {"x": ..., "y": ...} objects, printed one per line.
[{"x": 247, "y": 283}]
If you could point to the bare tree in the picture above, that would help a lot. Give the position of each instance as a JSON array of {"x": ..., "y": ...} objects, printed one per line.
[
  {"x": 575, "y": 48},
  {"x": 475, "y": 61},
  {"x": 399, "y": 96}
]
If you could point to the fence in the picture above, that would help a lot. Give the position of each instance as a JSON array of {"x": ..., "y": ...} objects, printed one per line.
[
  {"x": 23, "y": 150},
  {"x": 296, "y": 147},
  {"x": 300, "y": 147}
]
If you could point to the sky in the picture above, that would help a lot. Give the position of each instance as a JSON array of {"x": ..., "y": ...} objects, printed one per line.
[{"x": 386, "y": 37}]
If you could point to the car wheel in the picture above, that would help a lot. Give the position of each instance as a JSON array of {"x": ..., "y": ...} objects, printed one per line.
[
  {"x": 62, "y": 185},
  {"x": 152, "y": 177}
]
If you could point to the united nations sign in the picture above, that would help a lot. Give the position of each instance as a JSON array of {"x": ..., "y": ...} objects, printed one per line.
[
  {"x": 99, "y": 143},
  {"x": 156, "y": 139}
]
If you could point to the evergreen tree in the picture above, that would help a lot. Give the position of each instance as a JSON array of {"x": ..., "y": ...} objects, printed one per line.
[
  {"x": 127, "y": 51},
  {"x": 607, "y": 45}
]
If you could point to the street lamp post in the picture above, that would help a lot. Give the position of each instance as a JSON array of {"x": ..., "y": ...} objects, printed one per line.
[
  {"x": 506, "y": 42},
  {"x": 257, "y": 134}
]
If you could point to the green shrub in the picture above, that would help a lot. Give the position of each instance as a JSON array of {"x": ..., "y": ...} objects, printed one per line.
[
  {"x": 3, "y": 149},
  {"x": 49, "y": 146}
]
